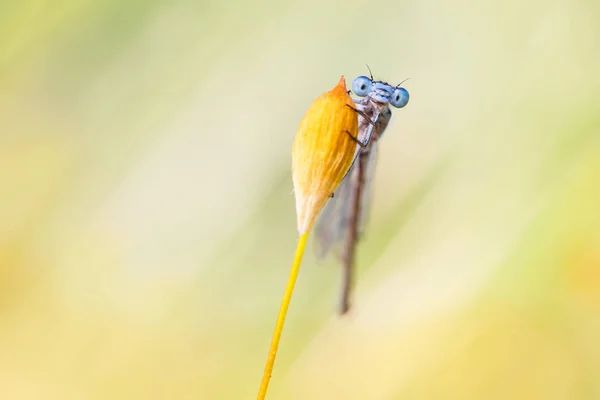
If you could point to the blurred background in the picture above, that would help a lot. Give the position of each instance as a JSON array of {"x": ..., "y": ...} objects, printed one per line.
[{"x": 147, "y": 219}]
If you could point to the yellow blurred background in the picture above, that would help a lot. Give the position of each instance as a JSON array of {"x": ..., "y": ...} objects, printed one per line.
[{"x": 147, "y": 218}]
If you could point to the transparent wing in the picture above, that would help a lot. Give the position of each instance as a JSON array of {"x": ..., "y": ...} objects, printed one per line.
[{"x": 330, "y": 227}]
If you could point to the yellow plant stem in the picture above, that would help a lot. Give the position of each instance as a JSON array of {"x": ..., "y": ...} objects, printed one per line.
[{"x": 285, "y": 303}]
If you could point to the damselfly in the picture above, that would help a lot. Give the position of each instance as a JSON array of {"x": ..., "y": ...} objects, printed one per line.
[{"x": 342, "y": 221}]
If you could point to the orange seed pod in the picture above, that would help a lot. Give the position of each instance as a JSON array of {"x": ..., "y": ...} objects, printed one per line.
[{"x": 323, "y": 152}]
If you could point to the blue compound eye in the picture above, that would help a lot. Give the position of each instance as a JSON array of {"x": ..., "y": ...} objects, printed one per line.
[
  {"x": 400, "y": 97},
  {"x": 362, "y": 86}
]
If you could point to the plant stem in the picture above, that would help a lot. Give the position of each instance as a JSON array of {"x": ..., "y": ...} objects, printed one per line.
[{"x": 285, "y": 302}]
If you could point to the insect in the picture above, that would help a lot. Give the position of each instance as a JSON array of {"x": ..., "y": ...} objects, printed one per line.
[{"x": 341, "y": 223}]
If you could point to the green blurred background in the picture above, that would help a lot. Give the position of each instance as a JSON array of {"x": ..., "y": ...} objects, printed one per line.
[{"x": 147, "y": 218}]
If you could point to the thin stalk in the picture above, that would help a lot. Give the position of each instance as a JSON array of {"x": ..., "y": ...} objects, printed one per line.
[{"x": 285, "y": 303}]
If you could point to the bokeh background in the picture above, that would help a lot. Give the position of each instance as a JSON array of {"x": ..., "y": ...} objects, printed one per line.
[{"x": 147, "y": 218}]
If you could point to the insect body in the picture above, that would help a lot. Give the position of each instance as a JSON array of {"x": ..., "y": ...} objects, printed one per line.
[{"x": 342, "y": 221}]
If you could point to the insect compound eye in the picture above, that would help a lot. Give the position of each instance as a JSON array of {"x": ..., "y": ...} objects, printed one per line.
[
  {"x": 400, "y": 97},
  {"x": 362, "y": 86}
]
